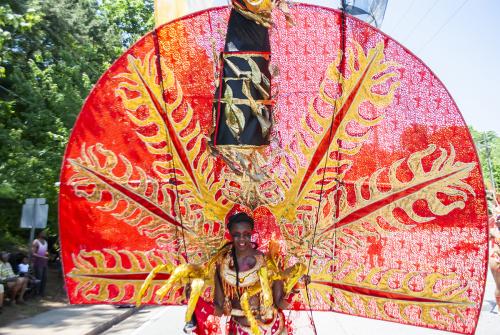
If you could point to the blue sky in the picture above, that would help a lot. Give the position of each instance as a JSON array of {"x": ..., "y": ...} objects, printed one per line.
[{"x": 464, "y": 53}]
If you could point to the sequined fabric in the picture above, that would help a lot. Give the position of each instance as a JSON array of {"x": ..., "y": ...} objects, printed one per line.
[{"x": 369, "y": 162}]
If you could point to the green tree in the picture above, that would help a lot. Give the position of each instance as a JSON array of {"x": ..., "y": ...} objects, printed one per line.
[
  {"x": 488, "y": 148},
  {"x": 52, "y": 51},
  {"x": 130, "y": 27}
]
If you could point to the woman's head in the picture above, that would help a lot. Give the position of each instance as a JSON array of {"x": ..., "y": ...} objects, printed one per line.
[
  {"x": 42, "y": 235},
  {"x": 4, "y": 256},
  {"x": 240, "y": 227}
]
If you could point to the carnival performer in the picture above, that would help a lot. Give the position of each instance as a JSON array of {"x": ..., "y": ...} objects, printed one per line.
[
  {"x": 242, "y": 100},
  {"x": 250, "y": 287},
  {"x": 240, "y": 272}
]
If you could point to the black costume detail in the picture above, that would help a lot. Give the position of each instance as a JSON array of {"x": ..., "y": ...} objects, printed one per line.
[{"x": 242, "y": 102}]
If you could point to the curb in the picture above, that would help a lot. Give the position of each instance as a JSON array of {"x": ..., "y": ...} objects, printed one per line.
[{"x": 113, "y": 322}]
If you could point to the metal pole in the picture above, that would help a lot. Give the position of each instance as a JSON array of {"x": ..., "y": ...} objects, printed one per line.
[
  {"x": 32, "y": 232},
  {"x": 488, "y": 159}
]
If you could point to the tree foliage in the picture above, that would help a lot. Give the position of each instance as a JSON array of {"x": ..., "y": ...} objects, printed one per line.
[
  {"x": 51, "y": 53},
  {"x": 488, "y": 149}
]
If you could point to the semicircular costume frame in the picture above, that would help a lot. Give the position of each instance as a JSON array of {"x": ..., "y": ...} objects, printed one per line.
[{"x": 400, "y": 233}]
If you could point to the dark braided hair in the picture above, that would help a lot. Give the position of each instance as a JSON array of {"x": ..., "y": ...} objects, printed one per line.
[
  {"x": 234, "y": 219},
  {"x": 239, "y": 218},
  {"x": 237, "y": 269}
]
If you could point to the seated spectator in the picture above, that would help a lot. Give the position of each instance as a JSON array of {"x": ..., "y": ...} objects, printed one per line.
[
  {"x": 24, "y": 270},
  {"x": 15, "y": 285}
]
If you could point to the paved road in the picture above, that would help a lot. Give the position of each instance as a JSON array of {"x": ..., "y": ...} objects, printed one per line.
[
  {"x": 74, "y": 320},
  {"x": 80, "y": 320},
  {"x": 168, "y": 321}
]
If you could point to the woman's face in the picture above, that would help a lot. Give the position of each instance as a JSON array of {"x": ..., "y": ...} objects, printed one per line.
[{"x": 241, "y": 233}]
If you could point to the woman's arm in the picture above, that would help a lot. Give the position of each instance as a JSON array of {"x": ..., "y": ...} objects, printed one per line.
[
  {"x": 34, "y": 248},
  {"x": 279, "y": 294},
  {"x": 219, "y": 294}
]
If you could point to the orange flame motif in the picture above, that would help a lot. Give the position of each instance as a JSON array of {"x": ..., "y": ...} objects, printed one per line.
[{"x": 370, "y": 177}]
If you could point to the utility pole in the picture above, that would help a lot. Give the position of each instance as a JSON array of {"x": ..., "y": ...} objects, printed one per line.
[{"x": 32, "y": 231}]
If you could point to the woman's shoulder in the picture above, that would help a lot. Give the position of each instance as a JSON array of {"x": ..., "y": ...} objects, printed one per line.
[
  {"x": 258, "y": 254},
  {"x": 260, "y": 258},
  {"x": 39, "y": 242}
]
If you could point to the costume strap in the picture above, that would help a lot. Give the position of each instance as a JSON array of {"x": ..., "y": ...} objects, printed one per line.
[
  {"x": 267, "y": 295},
  {"x": 264, "y": 288},
  {"x": 245, "y": 306}
]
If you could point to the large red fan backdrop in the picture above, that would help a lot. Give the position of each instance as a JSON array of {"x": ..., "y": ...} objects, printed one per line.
[{"x": 401, "y": 231}]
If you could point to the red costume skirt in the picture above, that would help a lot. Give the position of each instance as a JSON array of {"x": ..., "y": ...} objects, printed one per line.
[{"x": 274, "y": 327}]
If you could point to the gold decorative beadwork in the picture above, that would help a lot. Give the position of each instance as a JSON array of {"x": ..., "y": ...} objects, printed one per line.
[{"x": 246, "y": 278}]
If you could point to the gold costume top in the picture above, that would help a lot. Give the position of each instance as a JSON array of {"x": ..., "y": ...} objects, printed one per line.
[
  {"x": 246, "y": 278},
  {"x": 256, "y": 281}
]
